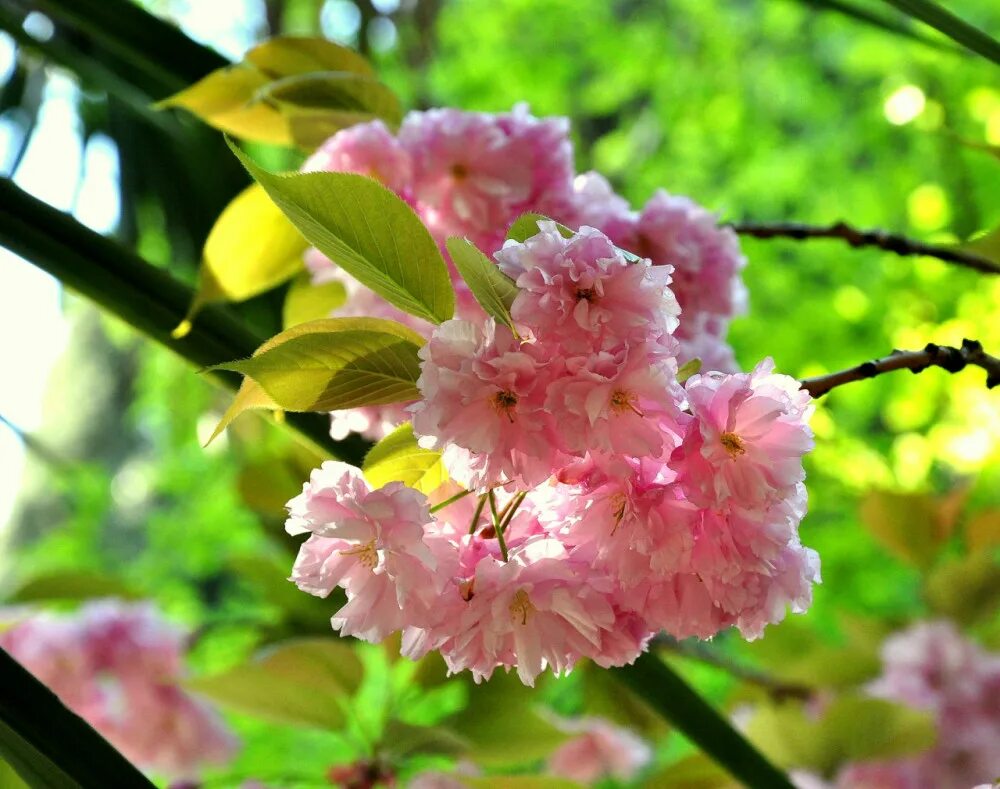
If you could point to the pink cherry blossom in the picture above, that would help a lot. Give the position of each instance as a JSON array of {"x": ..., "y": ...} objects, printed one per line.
[
  {"x": 365, "y": 149},
  {"x": 600, "y": 750},
  {"x": 368, "y": 542},
  {"x": 119, "y": 666}
]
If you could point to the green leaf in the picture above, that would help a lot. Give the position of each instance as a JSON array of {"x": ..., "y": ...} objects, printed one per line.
[
  {"x": 226, "y": 99},
  {"x": 399, "y": 458},
  {"x": 251, "y": 248},
  {"x": 911, "y": 526},
  {"x": 306, "y": 302},
  {"x": 966, "y": 589},
  {"x": 982, "y": 532},
  {"x": 526, "y": 226},
  {"x": 689, "y": 368},
  {"x": 402, "y": 740},
  {"x": 369, "y": 232},
  {"x": 605, "y": 697},
  {"x": 502, "y": 725},
  {"x": 521, "y": 782},
  {"x": 493, "y": 289},
  {"x": 692, "y": 772},
  {"x": 664, "y": 690},
  {"x": 250, "y": 396},
  {"x": 852, "y": 728},
  {"x": 71, "y": 586},
  {"x": 337, "y": 363},
  {"x": 956, "y": 29},
  {"x": 284, "y": 56},
  {"x": 316, "y": 106},
  {"x": 987, "y": 245},
  {"x": 48, "y": 745},
  {"x": 305, "y": 682}
]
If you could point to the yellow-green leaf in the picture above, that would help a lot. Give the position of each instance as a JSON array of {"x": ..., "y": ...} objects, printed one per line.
[
  {"x": 70, "y": 586},
  {"x": 284, "y": 56},
  {"x": 493, "y": 289},
  {"x": 305, "y": 682},
  {"x": 227, "y": 100},
  {"x": 337, "y": 363},
  {"x": 306, "y": 302},
  {"x": 369, "y": 232},
  {"x": 318, "y": 105},
  {"x": 911, "y": 526},
  {"x": 982, "y": 532},
  {"x": 399, "y": 458},
  {"x": 526, "y": 226},
  {"x": 966, "y": 589},
  {"x": 689, "y": 368}
]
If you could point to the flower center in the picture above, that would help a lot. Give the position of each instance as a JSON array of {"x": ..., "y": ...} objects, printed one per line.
[
  {"x": 622, "y": 401},
  {"x": 367, "y": 554},
  {"x": 504, "y": 402},
  {"x": 618, "y": 502},
  {"x": 733, "y": 444},
  {"x": 586, "y": 294},
  {"x": 521, "y": 607},
  {"x": 467, "y": 589},
  {"x": 459, "y": 171}
]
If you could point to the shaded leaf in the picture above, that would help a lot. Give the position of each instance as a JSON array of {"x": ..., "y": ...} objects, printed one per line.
[
  {"x": 966, "y": 589},
  {"x": 956, "y": 29},
  {"x": 402, "y": 740},
  {"x": 306, "y": 302},
  {"x": 605, "y": 697},
  {"x": 369, "y": 232},
  {"x": 521, "y": 782},
  {"x": 304, "y": 682},
  {"x": 526, "y": 226},
  {"x": 493, "y": 289},
  {"x": 399, "y": 458},
  {"x": 502, "y": 725},
  {"x": 911, "y": 526},
  {"x": 337, "y": 363},
  {"x": 986, "y": 245},
  {"x": 689, "y": 368},
  {"x": 982, "y": 532},
  {"x": 249, "y": 396},
  {"x": 78, "y": 585},
  {"x": 692, "y": 772}
]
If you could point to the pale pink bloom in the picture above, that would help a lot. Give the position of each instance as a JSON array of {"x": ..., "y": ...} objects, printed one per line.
[
  {"x": 701, "y": 336},
  {"x": 370, "y": 542},
  {"x": 707, "y": 260},
  {"x": 679, "y": 604},
  {"x": 752, "y": 433},
  {"x": 483, "y": 403},
  {"x": 600, "y": 750},
  {"x": 119, "y": 666},
  {"x": 621, "y": 403},
  {"x": 595, "y": 204},
  {"x": 366, "y": 149},
  {"x": 474, "y": 173},
  {"x": 573, "y": 289}
]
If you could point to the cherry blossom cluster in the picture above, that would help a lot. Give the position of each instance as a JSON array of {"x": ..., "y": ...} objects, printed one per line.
[
  {"x": 604, "y": 500},
  {"x": 932, "y": 667},
  {"x": 119, "y": 666},
  {"x": 472, "y": 174}
]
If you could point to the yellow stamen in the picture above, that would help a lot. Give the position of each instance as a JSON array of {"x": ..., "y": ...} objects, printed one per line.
[
  {"x": 622, "y": 401},
  {"x": 521, "y": 607},
  {"x": 367, "y": 554},
  {"x": 467, "y": 589},
  {"x": 459, "y": 171},
  {"x": 733, "y": 444},
  {"x": 618, "y": 502}
]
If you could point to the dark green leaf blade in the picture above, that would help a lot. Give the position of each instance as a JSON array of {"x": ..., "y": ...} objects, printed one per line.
[{"x": 956, "y": 29}]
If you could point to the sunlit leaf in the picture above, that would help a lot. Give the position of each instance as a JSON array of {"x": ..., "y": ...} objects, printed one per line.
[
  {"x": 369, "y": 232},
  {"x": 250, "y": 396},
  {"x": 398, "y": 458},
  {"x": 689, "y": 368},
  {"x": 304, "y": 682},
  {"x": 526, "y": 226},
  {"x": 227, "y": 100},
  {"x": 251, "y": 248},
  {"x": 306, "y": 302},
  {"x": 502, "y": 725},
  {"x": 337, "y": 363},
  {"x": 692, "y": 772},
  {"x": 284, "y": 56},
  {"x": 318, "y": 105},
  {"x": 493, "y": 289},
  {"x": 403, "y": 740}
]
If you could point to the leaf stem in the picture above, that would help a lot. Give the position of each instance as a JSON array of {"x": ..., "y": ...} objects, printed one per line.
[
  {"x": 450, "y": 500},
  {"x": 477, "y": 514},
  {"x": 496, "y": 525},
  {"x": 511, "y": 509}
]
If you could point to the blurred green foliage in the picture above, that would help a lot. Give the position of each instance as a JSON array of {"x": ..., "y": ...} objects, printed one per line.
[{"x": 760, "y": 109}]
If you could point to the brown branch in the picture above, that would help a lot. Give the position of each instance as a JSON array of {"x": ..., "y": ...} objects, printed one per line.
[
  {"x": 891, "y": 242},
  {"x": 943, "y": 356},
  {"x": 694, "y": 650}
]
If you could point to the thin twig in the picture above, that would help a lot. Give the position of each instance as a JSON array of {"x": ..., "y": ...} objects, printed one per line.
[
  {"x": 891, "y": 242},
  {"x": 943, "y": 356},
  {"x": 776, "y": 688}
]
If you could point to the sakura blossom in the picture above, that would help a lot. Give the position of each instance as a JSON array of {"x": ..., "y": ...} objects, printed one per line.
[
  {"x": 119, "y": 667},
  {"x": 599, "y": 750},
  {"x": 604, "y": 500},
  {"x": 472, "y": 175}
]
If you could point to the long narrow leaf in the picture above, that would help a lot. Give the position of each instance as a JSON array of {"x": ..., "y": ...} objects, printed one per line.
[
  {"x": 661, "y": 688},
  {"x": 878, "y": 21},
  {"x": 50, "y": 746},
  {"x": 956, "y": 29},
  {"x": 144, "y": 296}
]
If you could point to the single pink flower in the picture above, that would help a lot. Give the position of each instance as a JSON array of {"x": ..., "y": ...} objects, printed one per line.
[
  {"x": 365, "y": 149},
  {"x": 600, "y": 750}
]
